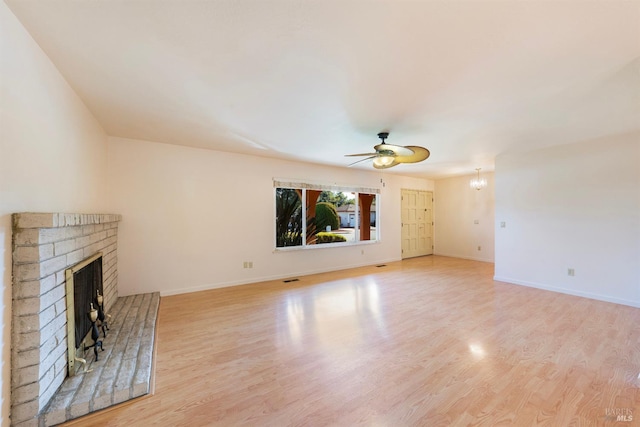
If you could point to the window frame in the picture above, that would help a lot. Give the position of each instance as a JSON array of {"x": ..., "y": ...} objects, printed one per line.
[{"x": 303, "y": 186}]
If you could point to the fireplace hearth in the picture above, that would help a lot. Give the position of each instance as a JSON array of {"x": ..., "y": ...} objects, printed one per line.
[{"x": 123, "y": 371}]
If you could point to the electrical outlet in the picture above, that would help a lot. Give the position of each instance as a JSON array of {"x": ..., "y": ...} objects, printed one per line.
[
  {"x": 247, "y": 264},
  {"x": 503, "y": 224},
  {"x": 476, "y": 221},
  {"x": 571, "y": 272},
  {"x": 479, "y": 248}
]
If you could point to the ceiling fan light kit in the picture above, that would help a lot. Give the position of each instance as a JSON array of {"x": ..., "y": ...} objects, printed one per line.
[
  {"x": 389, "y": 155},
  {"x": 383, "y": 161}
]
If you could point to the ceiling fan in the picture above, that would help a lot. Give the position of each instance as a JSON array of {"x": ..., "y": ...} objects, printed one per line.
[{"x": 388, "y": 155}]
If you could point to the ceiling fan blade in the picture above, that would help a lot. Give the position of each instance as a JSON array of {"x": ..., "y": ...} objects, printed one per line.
[
  {"x": 362, "y": 160},
  {"x": 361, "y": 154},
  {"x": 419, "y": 154},
  {"x": 398, "y": 150}
]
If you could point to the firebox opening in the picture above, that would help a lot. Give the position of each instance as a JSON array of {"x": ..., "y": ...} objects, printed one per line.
[{"x": 83, "y": 284}]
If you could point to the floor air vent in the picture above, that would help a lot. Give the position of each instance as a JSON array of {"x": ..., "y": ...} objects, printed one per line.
[
  {"x": 290, "y": 280},
  {"x": 381, "y": 265}
]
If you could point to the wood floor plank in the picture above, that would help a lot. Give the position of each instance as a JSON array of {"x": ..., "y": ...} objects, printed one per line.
[{"x": 426, "y": 341}]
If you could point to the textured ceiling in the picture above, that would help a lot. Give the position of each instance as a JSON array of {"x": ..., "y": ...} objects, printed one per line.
[{"x": 315, "y": 80}]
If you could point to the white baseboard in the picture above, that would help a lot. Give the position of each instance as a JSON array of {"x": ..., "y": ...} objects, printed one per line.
[
  {"x": 464, "y": 257},
  {"x": 589, "y": 295},
  {"x": 251, "y": 280}
]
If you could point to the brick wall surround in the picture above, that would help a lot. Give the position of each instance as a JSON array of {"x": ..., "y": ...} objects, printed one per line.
[{"x": 44, "y": 246}]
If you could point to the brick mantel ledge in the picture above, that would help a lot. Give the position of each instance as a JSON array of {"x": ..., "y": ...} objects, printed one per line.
[{"x": 55, "y": 220}]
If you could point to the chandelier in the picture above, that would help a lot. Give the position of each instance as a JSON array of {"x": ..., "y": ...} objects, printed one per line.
[{"x": 477, "y": 182}]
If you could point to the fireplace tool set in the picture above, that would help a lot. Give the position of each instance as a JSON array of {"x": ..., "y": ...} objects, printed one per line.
[{"x": 95, "y": 316}]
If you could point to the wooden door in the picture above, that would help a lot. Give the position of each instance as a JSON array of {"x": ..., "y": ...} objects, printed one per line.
[{"x": 417, "y": 223}]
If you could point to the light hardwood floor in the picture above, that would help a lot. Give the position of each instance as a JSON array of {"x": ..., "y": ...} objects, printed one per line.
[{"x": 429, "y": 341}]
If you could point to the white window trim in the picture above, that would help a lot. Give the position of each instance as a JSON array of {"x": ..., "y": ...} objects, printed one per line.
[{"x": 296, "y": 184}]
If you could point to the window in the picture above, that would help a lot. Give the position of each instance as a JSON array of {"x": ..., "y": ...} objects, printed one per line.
[
  {"x": 289, "y": 211},
  {"x": 310, "y": 215}
]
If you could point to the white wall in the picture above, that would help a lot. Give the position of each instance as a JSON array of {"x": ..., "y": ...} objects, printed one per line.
[
  {"x": 574, "y": 206},
  {"x": 457, "y": 207},
  {"x": 191, "y": 217},
  {"x": 52, "y": 154}
]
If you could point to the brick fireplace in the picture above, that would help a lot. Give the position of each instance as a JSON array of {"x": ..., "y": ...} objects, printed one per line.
[{"x": 44, "y": 246}]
